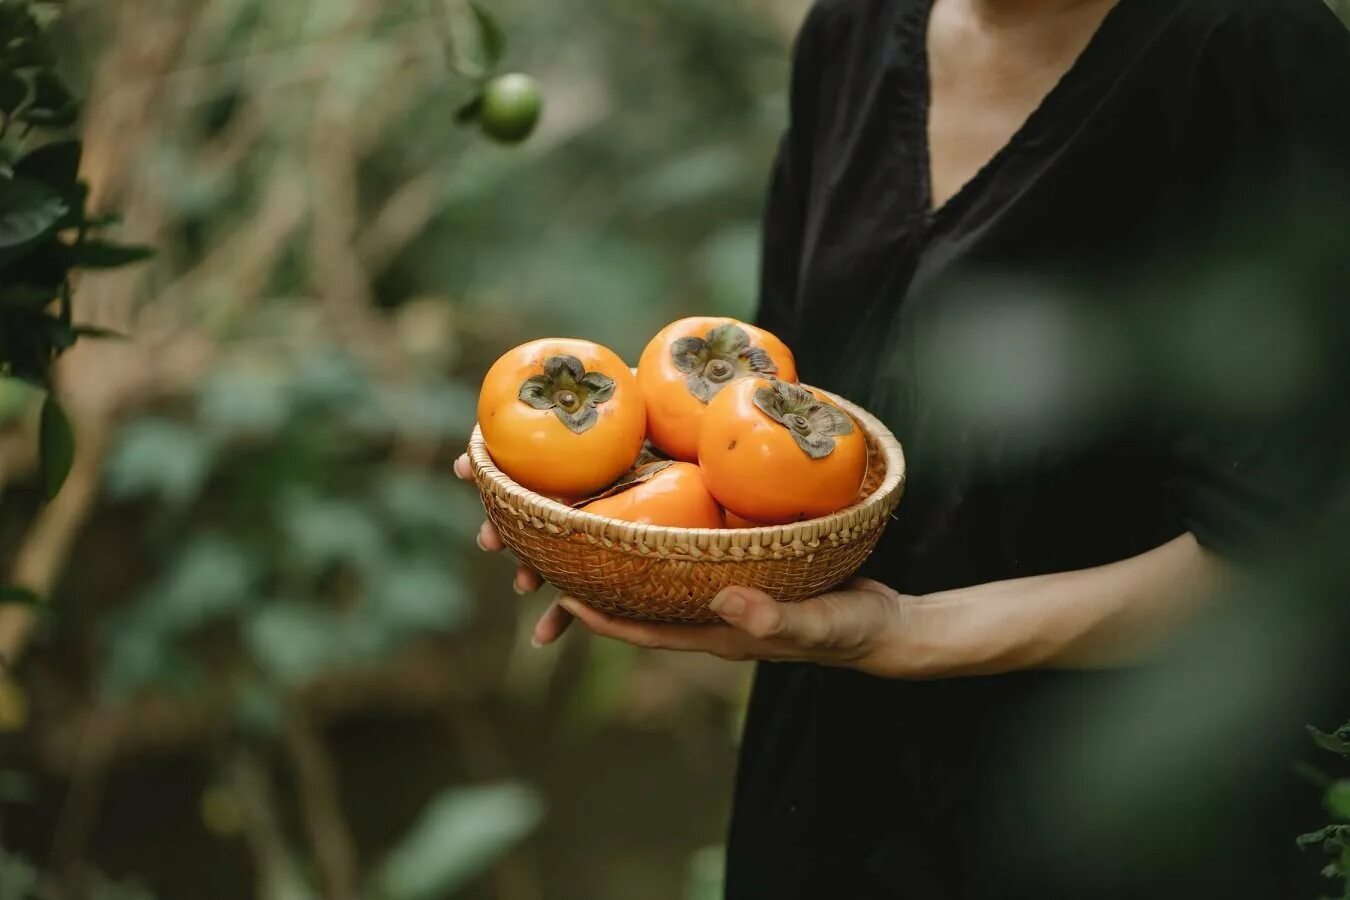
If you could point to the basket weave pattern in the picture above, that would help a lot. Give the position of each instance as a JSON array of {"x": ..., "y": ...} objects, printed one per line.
[{"x": 670, "y": 574}]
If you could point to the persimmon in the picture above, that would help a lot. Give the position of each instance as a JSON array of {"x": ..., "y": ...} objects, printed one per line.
[
  {"x": 735, "y": 521},
  {"x": 773, "y": 452},
  {"x": 662, "y": 493},
  {"x": 562, "y": 417},
  {"x": 689, "y": 361}
]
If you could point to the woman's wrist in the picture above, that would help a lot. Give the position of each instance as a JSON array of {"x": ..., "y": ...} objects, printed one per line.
[
  {"x": 918, "y": 642},
  {"x": 1107, "y": 616}
]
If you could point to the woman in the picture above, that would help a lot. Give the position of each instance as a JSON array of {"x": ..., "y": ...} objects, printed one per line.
[{"x": 930, "y": 141}]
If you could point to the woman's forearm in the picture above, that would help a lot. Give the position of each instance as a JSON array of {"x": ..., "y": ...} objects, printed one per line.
[{"x": 1106, "y": 616}]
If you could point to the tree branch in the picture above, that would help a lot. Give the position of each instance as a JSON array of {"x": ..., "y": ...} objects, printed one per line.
[{"x": 329, "y": 836}]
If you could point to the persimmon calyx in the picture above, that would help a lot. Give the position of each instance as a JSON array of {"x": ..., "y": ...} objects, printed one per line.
[
  {"x": 639, "y": 474},
  {"x": 711, "y": 362},
  {"x": 812, "y": 423},
  {"x": 650, "y": 454},
  {"x": 569, "y": 390}
]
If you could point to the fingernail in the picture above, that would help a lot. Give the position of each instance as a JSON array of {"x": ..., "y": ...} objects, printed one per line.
[
  {"x": 536, "y": 643},
  {"x": 568, "y": 603},
  {"x": 519, "y": 589},
  {"x": 727, "y": 603},
  {"x": 478, "y": 539}
]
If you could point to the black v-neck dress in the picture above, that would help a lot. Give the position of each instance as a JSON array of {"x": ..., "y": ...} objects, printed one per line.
[{"x": 856, "y": 787}]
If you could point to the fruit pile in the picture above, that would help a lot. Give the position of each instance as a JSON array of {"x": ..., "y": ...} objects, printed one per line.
[{"x": 712, "y": 431}]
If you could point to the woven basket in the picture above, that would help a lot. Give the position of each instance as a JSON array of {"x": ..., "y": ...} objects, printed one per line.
[{"x": 670, "y": 574}]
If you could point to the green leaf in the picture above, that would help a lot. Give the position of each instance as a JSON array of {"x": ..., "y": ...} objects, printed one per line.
[
  {"x": 58, "y": 334},
  {"x": 257, "y": 710},
  {"x": 57, "y": 446},
  {"x": 94, "y": 331},
  {"x": 295, "y": 641},
  {"x": 1316, "y": 838},
  {"x": 433, "y": 410},
  {"x": 18, "y": 876},
  {"x": 30, "y": 297},
  {"x": 241, "y": 401},
  {"x": 16, "y": 398},
  {"x": 428, "y": 508},
  {"x": 1337, "y": 799},
  {"x": 13, "y": 91},
  {"x": 321, "y": 532},
  {"x": 329, "y": 380},
  {"x": 28, "y": 210},
  {"x": 1338, "y": 742},
  {"x": 158, "y": 457},
  {"x": 1332, "y": 838},
  {"x": 468, "y": 113},
  {"x": 53, "y": 105},
  {"x": 213, "y": 577},
  {"x": 107, "y": 255},
  {"x": 490, "y": 36},
  {"x": 30, "y": 52},
  {"x": 104, "y": 221},
  {"x": 13, "y": 595},
  {"x": 136, "y": 656},
  {"x": 458, "y": 835},
  {"x": 46, "y": 262},
  {"x": 418, "y": 595},
  {"x": 56, "y": 165},
  {"x": 704, "y": 880}
]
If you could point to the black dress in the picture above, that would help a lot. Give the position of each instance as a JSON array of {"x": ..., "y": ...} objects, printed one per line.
[{"x": 1188, "y": 129}]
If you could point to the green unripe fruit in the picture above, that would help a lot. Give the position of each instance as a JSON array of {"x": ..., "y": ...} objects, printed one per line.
[{"x": 511, "y": 105}]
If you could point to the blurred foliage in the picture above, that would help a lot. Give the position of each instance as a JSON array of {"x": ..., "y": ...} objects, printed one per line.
[
  {"x": 1334, "y": 839},
  {"x": 338, "y": 261},
  {"x": 19, "y": 880},
  {"x": 272, "y": 524},
  {"x": 459, "y": 833},
  {"x": 46, "y": 232},
  {"x": 705, "y": 874}
]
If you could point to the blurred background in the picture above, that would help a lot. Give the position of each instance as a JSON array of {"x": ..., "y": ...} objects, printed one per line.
[{"x": 271, "y": 662}]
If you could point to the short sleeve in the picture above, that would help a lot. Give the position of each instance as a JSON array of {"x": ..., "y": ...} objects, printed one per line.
[
  {"x": 1269, "y": 143},
  {"x": 784, "y": 218}
]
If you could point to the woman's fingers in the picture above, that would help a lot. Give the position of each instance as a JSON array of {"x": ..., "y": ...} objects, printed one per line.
[
  {"x": 839, "y": 628},
  {"x": 718, "y": 640},
  {"x": 527, "y": 581},
  {"x": 463, "y": 471},
  {"x": 551, "y": 625},
  {"x": 488, "y": 538}
]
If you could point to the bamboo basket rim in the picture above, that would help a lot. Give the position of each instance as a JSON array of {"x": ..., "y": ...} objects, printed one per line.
[{"x": 565, "y": 518}]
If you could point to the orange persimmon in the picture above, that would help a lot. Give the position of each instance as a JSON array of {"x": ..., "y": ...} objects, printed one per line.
[
  {"x": 562, "y": 417},
  {"x": 685, "y": 366},
  {"x": 773, "y": 452},
  {"x": 662, "y": 493},
  {"x": 735, "y": 521}
]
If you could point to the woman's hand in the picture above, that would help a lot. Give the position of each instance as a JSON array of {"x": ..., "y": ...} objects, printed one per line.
[
  {"x": 856, "y": 626},
  {"x": 1110, "y": 615},
  {"x": 861, "y": 626},
  {"x": 556, "y": 619}
]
